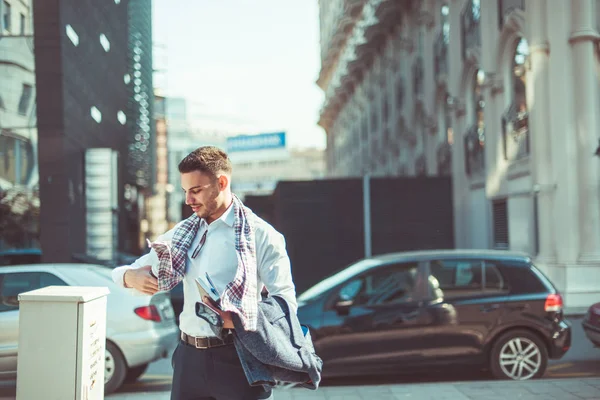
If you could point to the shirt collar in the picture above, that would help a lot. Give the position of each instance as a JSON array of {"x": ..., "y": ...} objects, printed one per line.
[{"x": 228, "y": 217}]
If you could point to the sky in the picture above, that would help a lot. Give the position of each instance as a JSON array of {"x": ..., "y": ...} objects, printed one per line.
[{"x": 244, "y": 66}]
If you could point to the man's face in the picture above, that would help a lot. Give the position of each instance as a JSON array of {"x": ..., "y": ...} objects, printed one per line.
[{"x": 203, "y": 193}]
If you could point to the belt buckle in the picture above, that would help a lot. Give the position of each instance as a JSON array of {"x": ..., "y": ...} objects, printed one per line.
[{"x": 197, "y": 345}]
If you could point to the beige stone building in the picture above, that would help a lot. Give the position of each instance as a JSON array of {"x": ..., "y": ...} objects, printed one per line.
[
  {"x": 18, "y": 121},
  {"x": 259, "y": 175},
  {"x": 501, "y": 94}
]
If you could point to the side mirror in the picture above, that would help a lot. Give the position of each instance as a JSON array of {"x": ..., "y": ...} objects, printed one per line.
[
  {"x": 347, "y": 296},
  {"x": 343, "y": 306}
]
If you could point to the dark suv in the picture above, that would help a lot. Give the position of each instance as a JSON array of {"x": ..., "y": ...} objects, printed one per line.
[{"x": 418, "y": 309}]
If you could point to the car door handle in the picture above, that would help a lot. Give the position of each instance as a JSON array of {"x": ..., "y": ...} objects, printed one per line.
[{"x": 489, "y": 307}]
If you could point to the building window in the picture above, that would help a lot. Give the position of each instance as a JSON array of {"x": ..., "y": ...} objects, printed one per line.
[
  {"x": 25, "y": 99},
  {"x": 385, "y": 108},
  {"x": 104, "y": 42},
  {"x": 500, "y": 217},
  {"x": 475, "y": 136},
  {"x": 23, "y": 23},
  {"x": 470, "y": 26},
  {"x": 96, "y": 114},
  {"x": 515, "y": 121},
  {"x": 448, "y": 120},
  {"x": 418, "y": 72},
  {"x": 373, "y": 119},
  {"x": 121, "y": 117},
  {"x": 505, "y": 7},
  {"x": 16, "y": 159},
  {"x": 6, "y": 16},
  {"x": 72, "y": 35},
  {"x": 442, "y": 41},
  {"x": 365, "y": 129},
  {"x": 399, "y": 94}
]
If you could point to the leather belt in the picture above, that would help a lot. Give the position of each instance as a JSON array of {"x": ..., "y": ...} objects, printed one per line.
[{"x": 205, "y": 342}]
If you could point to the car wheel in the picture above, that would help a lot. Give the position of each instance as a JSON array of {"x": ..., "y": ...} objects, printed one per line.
[
  {"x": 135, "y": 372},
  {"x": 115, "y": 368},
  {"x": 518, "y": 355}
]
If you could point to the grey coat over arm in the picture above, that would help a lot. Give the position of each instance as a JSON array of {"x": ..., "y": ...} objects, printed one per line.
[{"x": 279, "y": 350}]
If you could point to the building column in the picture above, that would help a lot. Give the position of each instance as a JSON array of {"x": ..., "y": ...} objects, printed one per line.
[
  {"x": 561, "y": 95},
  {"x": 540, "y": 137},
  {"x": 460, "y": 184},
  {"x": 492, "y": 96},
  {"x": 406, "y": 51},
  {"x": 583, "y": 40},
  {"x": 430, "y": 137}
]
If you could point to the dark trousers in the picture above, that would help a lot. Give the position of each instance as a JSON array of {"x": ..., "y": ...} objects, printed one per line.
[{"x": 211, "y": 374}]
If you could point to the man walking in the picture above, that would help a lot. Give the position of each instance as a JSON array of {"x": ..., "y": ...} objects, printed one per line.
[{"x": 240, "y": 252}]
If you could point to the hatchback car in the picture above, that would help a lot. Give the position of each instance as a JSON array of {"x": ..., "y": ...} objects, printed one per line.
[
  {"x": 139, "y": 329},
  {"x": 591, "y": 324},
  {"x": 419, "y": 309}
]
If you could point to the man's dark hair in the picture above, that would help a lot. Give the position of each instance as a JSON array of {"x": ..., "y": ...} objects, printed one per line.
[{"x": 207, "y": 159}]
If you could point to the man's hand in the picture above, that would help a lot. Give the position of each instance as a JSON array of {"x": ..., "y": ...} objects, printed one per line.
[
  {"x": 225, "y": 315},
  {"x": 141, "y": 280}
]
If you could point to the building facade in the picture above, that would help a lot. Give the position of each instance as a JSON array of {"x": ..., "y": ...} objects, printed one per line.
[
  {"x": 260, "y": 161},
  {"x": 155, "y": 221},
  {"x": 140, "y": 83},
  {"x": 501, "y": 94},
  {"x": 18, "y": 136},
  {"x": 180, "y": 144},
  {"x": 81, "y": 49},
  {"x": 18, "y": 127}
]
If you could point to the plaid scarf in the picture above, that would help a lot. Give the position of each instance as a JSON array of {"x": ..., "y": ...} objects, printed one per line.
[{"x": 240, "y": 295}]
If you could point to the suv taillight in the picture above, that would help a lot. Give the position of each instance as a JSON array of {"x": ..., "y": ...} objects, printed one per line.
[
  {"x": 554, "y": 303},
  {"x": 149, "y": 313}
]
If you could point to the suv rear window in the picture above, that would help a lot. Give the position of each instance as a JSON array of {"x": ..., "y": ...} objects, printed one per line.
[{"x": 521, "y": 279}]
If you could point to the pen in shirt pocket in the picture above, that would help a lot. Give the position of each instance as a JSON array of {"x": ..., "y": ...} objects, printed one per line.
[{"x": 212, "y": 285}]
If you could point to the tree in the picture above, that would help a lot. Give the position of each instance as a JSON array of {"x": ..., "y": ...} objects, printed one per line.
[{"x": 19, "y": 216}]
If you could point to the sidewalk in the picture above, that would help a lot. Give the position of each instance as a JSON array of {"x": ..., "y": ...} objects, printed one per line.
[{"x": 560, "y": 389}]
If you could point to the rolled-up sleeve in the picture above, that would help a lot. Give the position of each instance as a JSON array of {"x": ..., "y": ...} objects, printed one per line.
[
  {"x": 150, "y": 258},
  {"x": 274, "y": 266}
]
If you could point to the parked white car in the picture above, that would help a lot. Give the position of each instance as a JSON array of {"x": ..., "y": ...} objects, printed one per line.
[{"x": 139, "y": 328}]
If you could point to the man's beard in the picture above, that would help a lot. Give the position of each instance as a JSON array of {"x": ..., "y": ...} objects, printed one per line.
[{"x": 206, "y": 210}]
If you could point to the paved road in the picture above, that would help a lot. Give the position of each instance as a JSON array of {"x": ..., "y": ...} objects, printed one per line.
[
  {"x": 563, "y": 389},
  {"x": 581, "y": 361}
]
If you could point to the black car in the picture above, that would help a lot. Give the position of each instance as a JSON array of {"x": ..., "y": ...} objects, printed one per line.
[
  {"x": 591, "y": 324},
  {"x": 20, "y": 256},
  {"x": 404, "y": 311}
]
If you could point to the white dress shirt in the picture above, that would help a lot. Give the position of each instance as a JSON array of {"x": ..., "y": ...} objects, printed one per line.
[{"x": 218, "y": 257}]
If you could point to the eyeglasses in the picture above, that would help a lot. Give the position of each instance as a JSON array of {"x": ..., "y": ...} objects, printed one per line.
[{"x": 199, "y": 247}]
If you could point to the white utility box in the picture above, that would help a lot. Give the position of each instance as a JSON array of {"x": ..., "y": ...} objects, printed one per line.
[{"x": 62, "y": 339}]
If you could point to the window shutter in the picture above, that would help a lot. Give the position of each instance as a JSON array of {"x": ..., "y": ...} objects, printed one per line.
[{"x": 500, "y": 216}]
